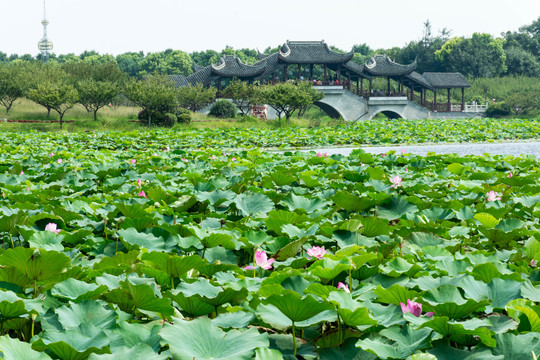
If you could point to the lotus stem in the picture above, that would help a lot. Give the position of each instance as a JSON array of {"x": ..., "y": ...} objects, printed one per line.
[
  {"x": 350, "y": 278},
  {"x": 338, "y": 328},
  {"x": 294, "y": 338},
  {"x": 533, "y": 355}
]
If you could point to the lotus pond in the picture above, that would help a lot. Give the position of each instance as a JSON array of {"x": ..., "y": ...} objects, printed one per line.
[{"x": 136, "y": 248}]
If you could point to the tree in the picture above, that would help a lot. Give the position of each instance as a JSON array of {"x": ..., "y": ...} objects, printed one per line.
[
  {"x": 204, "y": 58},
  {"x": 54, "y": 91},
  {"x": 196, "y": 97},
  {"x": 521, "y": 62},
  {"x": 155, "y": 94},
  {"x": 97, "y": 84},
  {"x": 478, "y": 56},
  {"x": 286, "y": 98},
  {"x": 130, "y": 63},
  {"x": 13, "y": 83},
  {"x": 169, "y": 62},
  {"x": 524, "y": 102},
  {"x": 242, "y": 95}
]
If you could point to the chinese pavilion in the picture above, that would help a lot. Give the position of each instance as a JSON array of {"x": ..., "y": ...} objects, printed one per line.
[{"x": 299, "y": 58}]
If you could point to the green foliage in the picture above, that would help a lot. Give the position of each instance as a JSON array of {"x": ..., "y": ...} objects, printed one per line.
[
  {"x": 287, "y": 98},
  {"x": 244, "y": 96},
  {"x": 498, "y": 110},
  {"x": 196, "y": 97},
  {"x": 169, "y": 62},
  {"x": 478, "y": 56},
  {"x": 223, "y": 109},
  {"x": 155, "y": 94},
  {"x": 13, "y": 83}
]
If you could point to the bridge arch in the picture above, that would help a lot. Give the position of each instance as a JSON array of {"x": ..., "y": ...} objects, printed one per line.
[
  {"x": 391, "y": 114},
  {"x": 328, "y": 110}
]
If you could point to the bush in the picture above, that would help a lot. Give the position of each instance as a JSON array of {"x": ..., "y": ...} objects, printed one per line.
[
  {"x": 223, "y": 109},
  {"x": 184, "y": 118},
  {"x": 498, "y": 110},
  {"x": 158, "y": 119}
]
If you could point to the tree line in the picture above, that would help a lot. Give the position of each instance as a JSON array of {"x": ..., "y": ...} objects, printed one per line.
[
  {"x": 94, "y": 86},
  {"x": 481, "y": 55}
]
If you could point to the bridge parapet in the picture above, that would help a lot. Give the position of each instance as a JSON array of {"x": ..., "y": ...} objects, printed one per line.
[{"x": 388, "y": 100}]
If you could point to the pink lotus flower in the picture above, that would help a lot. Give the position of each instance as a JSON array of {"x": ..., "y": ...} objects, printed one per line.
[
  {"x": 52, "y": 227},
  {"x": 154, "y": 154},
  {"x": 319, "y": 154},
  {"x": 213, "y": 157},
  {"x": 261, "y": 259},
  {"x": 316, "y": 251},
  {"x": 133, "y": 161},
  {"x": 59, "y": 161},
  {"x": 139, "y": 183},
  {"x": 492, "y": 196},
  {"x": 403, "y": 151},
  {"x": 383, "y": 154},
  {"x": 341, "y": 285},
  {"x": 51, "y": 154},
  {"x": 412, "y": 307},
  {"x": 22, "y": 173},
  {"x": 510, "y": 175},
  {"x": 184, "y": 160},
  {"x": 396, "y": 181},
  {"x": 233, "y": 159},
  {"x": 142, "y": 194},
  {"x": 533, "y": 263}
]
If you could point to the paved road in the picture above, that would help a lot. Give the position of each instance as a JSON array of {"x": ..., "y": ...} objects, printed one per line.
[{"x": 510, "y": 148}]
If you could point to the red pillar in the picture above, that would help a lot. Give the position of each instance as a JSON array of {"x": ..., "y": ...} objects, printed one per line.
[
  {"x": 310, "y": 71},
  {"x": 401, "y": 85},
  {"x": 462, "y": 99},
  {"x": 449, "y": 103},
  {"x": 370, "y": 87},
  {"x": 299, "y": 71},
  {"x": 339, "y": 73},
  {"x": 362, "y": 86},
  {"x": 325, "y": 73},
  {"x": 349, "y": 80},
  {"x": 285, "y": 73},
  {"x": 435, "y": 101}
]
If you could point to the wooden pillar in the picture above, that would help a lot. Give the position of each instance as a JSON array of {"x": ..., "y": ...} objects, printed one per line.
[
  {"x": 449, "y": 102},
  {"x": 412, "y": 91},
  {"x": 435, "y": 101},
  {"x": 362, "y": 86},
  {"x": 311, "y": 72},
  {"x": 272, "y": 80},
  {"x": 285, "y": 73},
  {"x": 325, "y": 73},
  {"x": 299, "y": 71},
  {"x": 349, "y": 80},
  {"x": 387, "y": 85},
  {"x": 339, "y": 73},
  {"x": 463, "y": 99},
  {"x": 370, "y": 87},
  {"x": 219, "y": 87},
  {"x": 400, "y": 85}
]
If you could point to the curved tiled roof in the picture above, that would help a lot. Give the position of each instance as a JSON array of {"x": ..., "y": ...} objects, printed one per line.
[
  {"x": 231, "y": 66},
  {"x": 357, "y": 69},
  {"x": 420, "y": 80},
  {"x": 311, "y": 52},
  {"x": 446, "y": 80},
  {"x": 272, "y": 64},
  {"x": 381, "y": 65},
  {"x": 203, "y": 76},
  {"x": 179, "y": 80}
]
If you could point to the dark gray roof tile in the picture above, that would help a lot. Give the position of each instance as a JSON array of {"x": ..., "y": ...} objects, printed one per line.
[
  {"x": 232, "y": 66},
  {"x": 311, "y": 52},
  {"x": 441, "y": 80},
  {"x": 381, "y": 65}
]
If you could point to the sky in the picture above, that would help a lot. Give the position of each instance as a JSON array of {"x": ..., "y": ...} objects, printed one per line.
[{"x": 118, "y": 26}]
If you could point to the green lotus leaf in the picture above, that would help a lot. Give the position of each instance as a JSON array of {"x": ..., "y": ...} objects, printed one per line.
[
  {"x": 14, "y": 349},
  {"x": 238, "y": 320},
  {"x": 443, "y": 351},
  {"x": 281, "y": 179},
  {"x": 352, "y": 203},
  {"x": 290, "y": 250},
  {"x": 486, "y": 220},
  {"x": 210, "y": 294},
  {"x": 395, "y": 208},
  {"x": 132, "y": 335},
  {"x": 11, "y": 305},
  {"x": 201, "y": 340},
  {"x": 192, "y": 305},
  {"x": 462, "y": 332},
  {"x": 130, "y": 297},
  {"x": 173, "y": 265},
  {"x": 138, "y": 352},
  {"x": 303, "y": 203},
  {"x": 327, "y": 269},
  {"x": 254, "y": 205},
  {"x": 405, "y": 342},
  {"x": 395, "y": 294},
  {"x": 518, "y": 347},
  {"x": 398, "y": 266},
  {"x": 77, "y": 290},
  {"x": 297, "y": 308},
  {"x": 352, "y": 312},
  {"x": 499, "y": 292},
  {"x": 84, "y": 314},
  {"x": 268, "y": 354},
  {"x": 72, "y": 345},
  {"x": 134, "y": 240},
  {"x": 446, "y": 300}
]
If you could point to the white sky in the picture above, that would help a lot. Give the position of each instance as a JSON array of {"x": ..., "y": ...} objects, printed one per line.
[{"x": 118, "y": 26}]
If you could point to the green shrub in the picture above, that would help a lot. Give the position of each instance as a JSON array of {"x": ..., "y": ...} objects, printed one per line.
[
  {"x": 184, "y": 118},
  {"x": 498, "y": 110},
  {"x": 223, "y": 109},
  {"x": 158, "y": 119}
]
